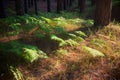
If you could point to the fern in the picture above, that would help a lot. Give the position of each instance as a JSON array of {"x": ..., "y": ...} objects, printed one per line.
[
  {"x": 61, "y": 52},
  {"x": 60, "y": 41},
  {"x": 26, "y": 52},
  {"x": 98, "y": 42},
  {"x": 29, "y": 54},
  {"x": 80, "y": 39},
  {"x": 71, "y": 42},
  {"x": 42, "y": 54},
  {"x": 60, "y": 21},
  {"x": 17, "y": 75},
  {"x": 59, "y": 30},
  {"x": 80, "y": 33},
  {"x": 72, "y": 35},
  {"x": 92, "y": 51},
  {"x": 75, "y": 37},
  {"x": 49, "y": 21}
]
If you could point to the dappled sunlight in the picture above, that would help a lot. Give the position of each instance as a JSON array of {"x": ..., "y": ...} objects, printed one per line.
[
  {"x": 63, "y": 41},
  {"x": 71, "y": 27}
]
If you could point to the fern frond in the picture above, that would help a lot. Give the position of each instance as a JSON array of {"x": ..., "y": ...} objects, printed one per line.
[
  {"x": 80, "y": 33},
  {"x": 71, "y": 42},
  {"x": 59, "y": 40},
  {"x": 17, "y": 75},
  {"x": 92, "y": 51}
]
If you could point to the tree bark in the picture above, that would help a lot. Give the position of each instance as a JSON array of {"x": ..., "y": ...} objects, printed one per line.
[
  {"x": 2, "y": 9},
  {"x": 48, "y": 6},
  {"x": 26, "y": 6},
  {"x": 29, "y": 3},
  {"x": 65, "y": 4},
  {"x": 81, "y": 5},
  {"x": 70, "y": 3},
  {"x": 32, "y": 2},
  {"x": 19, "y": 6},
  {"x": 103, "y": 12},
  {"x": 36, "y": 8},
  {"x": 59, "y": 6}
]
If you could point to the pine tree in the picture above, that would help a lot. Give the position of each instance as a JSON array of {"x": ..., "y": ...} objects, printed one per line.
[
  {"x": 103, "y": 12},
  {"x": 2, "y": 9},
  {"x": 19, "y": 6}
]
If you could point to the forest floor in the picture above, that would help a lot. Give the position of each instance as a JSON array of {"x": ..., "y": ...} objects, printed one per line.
[{"x": 78, "y": 64}]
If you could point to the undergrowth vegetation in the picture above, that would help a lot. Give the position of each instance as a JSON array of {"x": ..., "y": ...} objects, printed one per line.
[{"x": 75, "y": 54}]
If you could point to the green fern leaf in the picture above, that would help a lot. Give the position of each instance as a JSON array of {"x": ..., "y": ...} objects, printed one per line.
[
  {"x": 30, "y": 55},
  {"x": 72, "y": 35},
  {"x": 92, "y": 51},
  {"x": 80, "y": 33},
  {"x": 80, "y": 39},
  {"x": 71, "y": 42}
]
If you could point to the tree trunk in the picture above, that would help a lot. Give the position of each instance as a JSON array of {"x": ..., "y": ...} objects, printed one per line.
[
  {"x": 36, "y": 9},
  {"x": 65, "y": 4},
  {"x": 32, "y": 2},
  {"x": 29, "y": 3},
  {"x": 81, "y": 5},
  {"x": 48, "y": 6},
  {"x": 19, "y": 6},
  {"x": 2, "y": 9},
  {"x": 70, "y": 3},
  {"x": 103, "y": 12},
  {"x": 59, "y": 6},
  {"x": 26, "y": 6}
]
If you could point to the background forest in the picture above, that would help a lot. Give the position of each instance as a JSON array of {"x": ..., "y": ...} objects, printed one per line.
[{"x": 59, "y": 39}]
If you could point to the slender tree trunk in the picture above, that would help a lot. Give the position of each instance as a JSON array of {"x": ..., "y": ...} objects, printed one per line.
[
  {"x": 48, "y": 6},
  {"x": 59, "y": 6},
  {"x": 65, "y": 4},
  {"x": 70, "y": 3},
  {"x": 103, "y": 12},
  {"x": 25, "y": 6},
  {"x": 19, "y": 5},
  {"x": 29, "y": 3},
  {"x": 36, "y": 9},
  {"x": 81, "y": 5},
  {"x": 32, "y": 2},
  {"x": 2, "y": 9}
]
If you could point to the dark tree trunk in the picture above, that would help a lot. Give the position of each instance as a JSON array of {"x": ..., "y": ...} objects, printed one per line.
[
  {"x": 2, "y": 9},
  {"x": 70, "y": 3},
  {"x": 48, "y": 6},
  {"x": 103, "y": 12},
  {"x": 59, "y": 6},
  {"x": 25, "y": 6},
  {"x": 32, "y": 2},
  {"x": 19, "y": 6},
  {"x": 81, "y": 5},
  {"x": 29, "y": 3},
  {"x": 65, "y": 4},
  {"x": 36, "y": 9}
]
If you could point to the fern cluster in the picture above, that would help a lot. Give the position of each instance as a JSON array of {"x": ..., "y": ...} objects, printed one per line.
[
  {"x": 71, "y": 40},
  {"x": 26, "y": 52}
]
